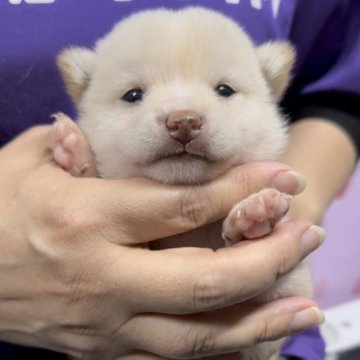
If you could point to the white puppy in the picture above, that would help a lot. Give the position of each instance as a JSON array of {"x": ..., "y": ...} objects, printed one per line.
[{"x": 180, "y": 97}]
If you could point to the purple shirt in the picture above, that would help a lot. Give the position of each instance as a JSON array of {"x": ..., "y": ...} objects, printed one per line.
[
  {"x": 325, "y": 33},
  {"x": 33, "y": 32}
]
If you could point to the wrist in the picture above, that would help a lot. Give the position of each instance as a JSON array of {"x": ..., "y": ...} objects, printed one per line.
[
  {"x": 307, "y": 207},
  {"x": 27, "y": 150}
]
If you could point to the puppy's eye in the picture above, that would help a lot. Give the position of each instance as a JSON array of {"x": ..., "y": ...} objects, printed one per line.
[
  {"x": 225, "y": 90},
  {"x": 133, "y": 95}
]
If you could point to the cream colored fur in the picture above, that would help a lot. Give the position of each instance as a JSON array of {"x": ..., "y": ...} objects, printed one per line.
[{"x": 178, "y": 58}]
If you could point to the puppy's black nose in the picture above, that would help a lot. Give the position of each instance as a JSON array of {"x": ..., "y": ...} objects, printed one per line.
[{"x": 184, "y": 126}]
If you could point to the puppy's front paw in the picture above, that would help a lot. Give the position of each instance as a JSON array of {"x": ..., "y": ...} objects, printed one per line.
[
  {"x": 255, "y": 216},
  {"x": 70, "y": 148}
]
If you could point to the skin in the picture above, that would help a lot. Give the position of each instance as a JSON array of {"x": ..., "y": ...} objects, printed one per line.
[
  {"x": 77, "y": 275},
  {"x": 326, "y": 156}
]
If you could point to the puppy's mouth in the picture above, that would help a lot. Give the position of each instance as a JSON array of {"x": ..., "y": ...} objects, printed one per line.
[
  {"x": 184, "y": 165},
  {"x": 183, "y": 155},
  {"x": 187, "y": 154}
]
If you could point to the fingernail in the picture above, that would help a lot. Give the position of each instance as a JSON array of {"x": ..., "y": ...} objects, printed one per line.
[
  {"x": 311, "y": 239},
  {"x": 306, "y": 319},
  {"x": 290, "y": 182}
]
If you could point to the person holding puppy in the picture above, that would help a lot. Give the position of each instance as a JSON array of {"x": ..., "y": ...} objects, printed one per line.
[{"x": 63, "y": 293}]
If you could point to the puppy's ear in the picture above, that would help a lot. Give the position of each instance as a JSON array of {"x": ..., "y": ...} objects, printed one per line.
[
  {"x": 276, "y": 62},
  {"x": 76, "y": 66}
]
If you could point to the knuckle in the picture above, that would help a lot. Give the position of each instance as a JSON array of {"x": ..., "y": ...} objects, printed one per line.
[
  {"x": 82, "y": 336},
  {"x": 270, "y": 335},
  {"x": 266, "y": 332},
  {"x": 209, "y": 291},
  {"x": 283, "y": 267},
  {"x": 285, "y": 260},
  {"x": 194, "y": 211},
  {"x": 73, "y": 217},
  {"x": 90, "y": 347},
  {"x": 283, "y": 253},
  {"x": 60, "y": 228},
  {"x": 247, "y": 182},
  {"x": 196, "y": 342}
]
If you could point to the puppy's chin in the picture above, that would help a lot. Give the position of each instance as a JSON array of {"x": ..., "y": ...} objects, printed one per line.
[{"x": 185, "y": 170}]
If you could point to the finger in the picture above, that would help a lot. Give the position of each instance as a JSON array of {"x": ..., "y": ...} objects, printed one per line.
[
  {"x": 140, "y": 355},
  {"x": 188, "y": 280},
  {"x": 220, "y": 332},
  {"x": 144, "y": 210}
]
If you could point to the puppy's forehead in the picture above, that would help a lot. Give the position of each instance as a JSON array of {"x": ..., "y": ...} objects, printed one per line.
[{"x": 194, "y": 40}]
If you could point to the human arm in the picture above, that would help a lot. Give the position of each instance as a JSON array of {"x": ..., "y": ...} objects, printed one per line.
[
  {"x": 77, "y": 276},
  {"x": 322, "y": 102},
  {"x": 326, "y": 155}
]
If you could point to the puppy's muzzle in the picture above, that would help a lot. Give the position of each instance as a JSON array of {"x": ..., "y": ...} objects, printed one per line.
[{"x": 184, "y": 126}]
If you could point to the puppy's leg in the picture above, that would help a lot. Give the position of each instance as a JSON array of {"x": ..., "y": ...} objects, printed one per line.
[
  {"x": 252, "y": 218},
  {"x": 71, "y": 149},
  {"x": 255, "y": 216}
]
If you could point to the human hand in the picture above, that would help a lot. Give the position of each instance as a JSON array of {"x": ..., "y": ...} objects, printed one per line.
[{"x": 77, "y": 275}]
